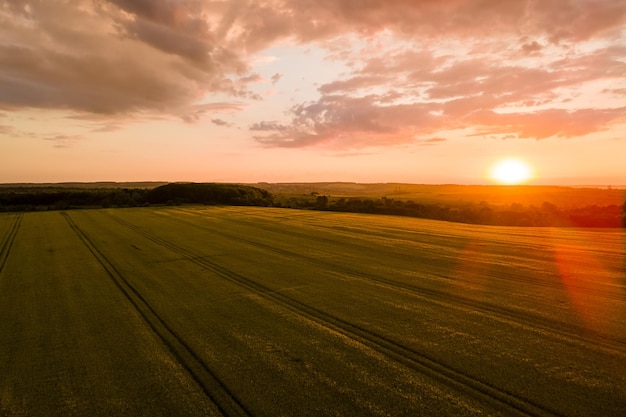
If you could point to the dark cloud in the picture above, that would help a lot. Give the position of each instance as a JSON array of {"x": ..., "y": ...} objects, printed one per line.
[
  {"x": 184, "y": 15},
  {"x": 267, "y": 126},
  {"x": 171, "y": 41},
  {"x": 276, "y": 77},
  {"x": 98, "y": 84},
  {"x": 220, "y": 122},
  {"x": 532, "y": 47},
  {"x": 114, "y": 57}
]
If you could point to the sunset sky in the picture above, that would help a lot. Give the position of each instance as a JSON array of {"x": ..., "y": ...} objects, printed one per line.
[{"x": 419, "y": 91}]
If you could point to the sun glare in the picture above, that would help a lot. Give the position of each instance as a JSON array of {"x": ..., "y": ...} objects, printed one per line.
[{"x": 511, "y": 171}]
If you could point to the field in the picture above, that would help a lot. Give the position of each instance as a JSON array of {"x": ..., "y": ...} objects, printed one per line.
[{"x": 198, "y": 310}]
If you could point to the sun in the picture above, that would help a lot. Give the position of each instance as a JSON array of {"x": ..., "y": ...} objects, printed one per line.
[{"x": 511, "y": 171}]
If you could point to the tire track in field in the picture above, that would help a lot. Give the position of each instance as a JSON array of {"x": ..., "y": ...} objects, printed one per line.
[
  {"x": 401, "y": 354},
  {"x": 213, "y": 388},
  {"x": 534, "y": 322},
  {"x": 9, "y": 238},
  {"x": 538, "y": 283},
  {"x": 321, "y": 239},
  {"x": 294, "y": 233},
  {"x": 502, "y": 276}
]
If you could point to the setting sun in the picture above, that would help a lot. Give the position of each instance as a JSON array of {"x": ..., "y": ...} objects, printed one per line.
[{"x": 511, "y": 171}]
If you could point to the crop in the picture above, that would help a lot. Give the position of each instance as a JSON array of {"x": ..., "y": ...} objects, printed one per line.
[{"x": 266, "y": 311}]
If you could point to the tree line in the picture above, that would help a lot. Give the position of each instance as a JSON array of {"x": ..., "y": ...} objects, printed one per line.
[
  {"x": 44, "y": 198},
  {"x": 548, "y": 214},
  {"x": 516, "y": 214}
]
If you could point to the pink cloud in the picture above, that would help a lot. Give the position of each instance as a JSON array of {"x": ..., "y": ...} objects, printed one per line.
[
  {"x": 568, "y": 20},
  {"x": 431, "y": 141},
  {"x": 353, "y": 83},
  {"x": 251, "y": 78},
  {"x": 420, "y": 66},
  {"x": 420, "y": 90},
  {"x": 547, "y": 123},
  {"x": 343, "y": 123}
]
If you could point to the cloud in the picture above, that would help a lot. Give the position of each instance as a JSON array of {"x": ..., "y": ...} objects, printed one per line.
[
  {"x": 251, "y": 78},
  {"x": 416, "y": 67},
  {"x": 433, "y": 66},
  {"x": 431, "y": 141},
  {"x": 64, "y": 141},
  {"x": 267, "y": 126},
  {"x": 220, "y": 122},
  {"x": 276, "y": 77},
  {"x": 618, "y": 92},
  {"x": 195, "y": 112},
  {"x": 6, "y": 130},
  {"x": 114, "y": 57},
  {"x": 106, "y": 128},
  {"x": 532, "y": 47},
  {"x": 353, "y": 83},
  {"x": 547, "y": 123},
  {"x": 264, "y": 22},
  {"x": 506, "y": 98},
  {"x": 343, "y": 122}
]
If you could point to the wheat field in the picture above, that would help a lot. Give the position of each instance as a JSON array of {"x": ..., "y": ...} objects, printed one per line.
[{"x": 199, "y": 310}]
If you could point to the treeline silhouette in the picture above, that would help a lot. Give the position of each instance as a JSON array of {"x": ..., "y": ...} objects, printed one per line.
[
  {"x": 43, "y": 198},
  {"x": 37, "y": 199},
  {"x": 502, "y": 215},
  {"x": 230, "y": 194},
  {"x": 548, "y": 214}
]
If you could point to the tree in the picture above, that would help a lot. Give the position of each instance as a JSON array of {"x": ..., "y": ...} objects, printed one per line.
[{"x": 321, "y": 203}]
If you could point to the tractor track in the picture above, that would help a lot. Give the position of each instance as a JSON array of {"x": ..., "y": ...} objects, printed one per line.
[
  {"x": 347, "y": 233},
  {"x": 227, "y": 403},
  {"x": 406, "y": 356},
  {"x": 533, "y": 322},
  {"x": 9, "y": 238}
]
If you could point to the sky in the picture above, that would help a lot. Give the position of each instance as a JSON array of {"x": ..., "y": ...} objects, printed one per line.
[{"x": 414, "y": 91}]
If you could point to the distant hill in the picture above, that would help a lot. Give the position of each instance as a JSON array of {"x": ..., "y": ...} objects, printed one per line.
[{"x": 536, "y": 195}]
